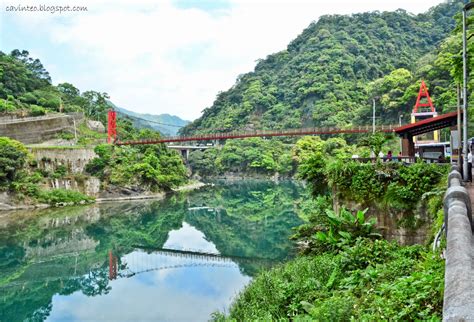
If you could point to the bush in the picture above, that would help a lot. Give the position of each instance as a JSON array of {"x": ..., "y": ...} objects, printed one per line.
[
  {"x": 153, "y": 167},
  {"x": 368, "y": 281},
  {"x": 37, "y": 110},
  {"x": 57, "y": 197},
  {"x": 13, "y": 157}
]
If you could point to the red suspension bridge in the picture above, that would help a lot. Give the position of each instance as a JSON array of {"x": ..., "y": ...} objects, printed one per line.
[{"x": 406, "y": 132}]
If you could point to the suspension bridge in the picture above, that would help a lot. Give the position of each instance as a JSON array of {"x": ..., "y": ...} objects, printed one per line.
[
  {"x": 144, "y": 260},
  {"x": 405, "y": 132}
]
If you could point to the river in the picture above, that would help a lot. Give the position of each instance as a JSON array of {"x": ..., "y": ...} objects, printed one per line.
[{"x": 178, "y": 259}]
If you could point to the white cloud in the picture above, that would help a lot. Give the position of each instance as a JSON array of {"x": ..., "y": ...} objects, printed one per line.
[{"x": 151, "y": 56}]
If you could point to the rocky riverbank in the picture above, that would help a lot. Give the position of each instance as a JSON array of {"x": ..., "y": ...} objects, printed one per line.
[{"x": 10, "y": 201}]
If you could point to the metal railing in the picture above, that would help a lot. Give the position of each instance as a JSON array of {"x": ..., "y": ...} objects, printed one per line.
[{"x": 403, "y": 159}]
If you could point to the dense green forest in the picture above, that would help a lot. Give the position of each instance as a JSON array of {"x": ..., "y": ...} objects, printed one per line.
[{"x": 330, "y": 73}]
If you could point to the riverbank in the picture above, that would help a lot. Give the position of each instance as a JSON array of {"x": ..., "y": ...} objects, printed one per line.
[
  {"x": 9, "y": 201},
  {"x": 155, "y": 196}
]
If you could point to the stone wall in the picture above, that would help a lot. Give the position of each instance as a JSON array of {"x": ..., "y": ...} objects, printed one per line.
[
  {"x": 388, "y": 221},
  {"x": 73, "y": 159},
  {"x": 38, "y": 129}
]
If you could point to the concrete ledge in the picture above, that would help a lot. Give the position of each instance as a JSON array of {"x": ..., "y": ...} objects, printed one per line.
[
  {"x": 454, "y": 174},
  {"x": 459, "y": 284},
  {"x": 456, "y": 167},
  {"x": 457, "y": 192}
]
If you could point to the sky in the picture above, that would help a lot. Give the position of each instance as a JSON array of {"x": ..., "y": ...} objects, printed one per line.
[{"x": 166, "y": 56}]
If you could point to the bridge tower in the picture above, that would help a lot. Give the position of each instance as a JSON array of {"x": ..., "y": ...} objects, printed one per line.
[
  {"x": 112, "y": 266},
  {"x": 424, "y": 109},
  {"x": 111, "y": 126}
]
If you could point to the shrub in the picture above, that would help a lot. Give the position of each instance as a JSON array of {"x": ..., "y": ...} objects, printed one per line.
[
  {"x": 13, "y": 157},
  {"x": 37, "y": 110},
  {"x": 58, "y": 196}
]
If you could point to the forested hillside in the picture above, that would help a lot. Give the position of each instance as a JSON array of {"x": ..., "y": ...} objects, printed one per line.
[
  {"x": 331, "y": 72},
  {"x": 26, "y": 89}
]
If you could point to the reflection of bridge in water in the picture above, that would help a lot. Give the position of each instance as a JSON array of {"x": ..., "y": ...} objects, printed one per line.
[{"x": 137, "y": 263}]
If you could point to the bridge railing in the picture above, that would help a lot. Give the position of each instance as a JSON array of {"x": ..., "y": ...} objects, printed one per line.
[
  {"x": 458, "y": 279},
  {"x": 403, "y": 159},
  {"x": 264, "y": 133}
]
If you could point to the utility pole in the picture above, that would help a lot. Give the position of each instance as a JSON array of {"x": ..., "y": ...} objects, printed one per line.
[
  {"x": 373, "y": 115},
  {"x": 464, "y": 96},
  {"x": 458, "y": 92},
  {"x": 400, "y": 124}
]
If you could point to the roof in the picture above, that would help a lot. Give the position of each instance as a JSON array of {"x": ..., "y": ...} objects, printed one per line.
[{"x": 428, "y": 125}]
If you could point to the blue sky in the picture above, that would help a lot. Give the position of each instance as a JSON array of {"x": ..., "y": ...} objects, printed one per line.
[{"x": 166, "y": 56}]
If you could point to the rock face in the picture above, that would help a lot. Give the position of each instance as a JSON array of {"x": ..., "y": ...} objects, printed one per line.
[
  {"x": 390, "y": 222},
  {"x": 96, "y": 126}
]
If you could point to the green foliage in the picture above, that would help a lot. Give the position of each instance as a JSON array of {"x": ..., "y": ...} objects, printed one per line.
[
  {"x": 338, "y": 230},
  {"x": 13, "y": 157},
  {"x": 250, "y": 156},
  {"x": 26, "y": 85},
  {"x": 370, "y": 280},
  {"x": 57, "y": 197},
  {"x": 37, "y": 110},
  {"x": 26, "y": 184},
  {"x": 312, "y": 155},
  {"x": 153, "y": 167},
  {"x": 411, "y": 183},
  {"x": 394, "y": 184},
  {"x": 375, "y": 141}
]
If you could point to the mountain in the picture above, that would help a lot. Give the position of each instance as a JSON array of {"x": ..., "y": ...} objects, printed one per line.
[
  {"x": 330, "y": 73},
  {"x": 166, "y": 124}
]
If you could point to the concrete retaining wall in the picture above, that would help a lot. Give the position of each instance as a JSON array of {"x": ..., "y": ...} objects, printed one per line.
[
  {"x": 459, "y": 280},
  {"x": 38, "y": 129},
  {"x": 73, "y": 159}
]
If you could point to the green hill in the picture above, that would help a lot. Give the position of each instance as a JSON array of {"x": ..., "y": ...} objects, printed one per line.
[{"x": 329, "y": 74}]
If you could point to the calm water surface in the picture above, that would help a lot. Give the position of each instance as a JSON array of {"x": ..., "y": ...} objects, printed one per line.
[{"x": 179, "y": 259}]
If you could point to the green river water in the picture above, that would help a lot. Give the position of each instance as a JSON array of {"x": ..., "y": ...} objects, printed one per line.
[{"x": 178, "y": 259}]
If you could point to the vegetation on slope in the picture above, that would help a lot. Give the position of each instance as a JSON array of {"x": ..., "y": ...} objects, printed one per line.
[
  {"x": 371, "y": 280},
  {"x": 26, "y": 89},
  {"x": 348, "y": 271},
  {"x": 247, "y": 156},
  {"x": 152, "y": 167},
  {"x": 330, "y": 73},
  {"x": 21, "y": 176}
]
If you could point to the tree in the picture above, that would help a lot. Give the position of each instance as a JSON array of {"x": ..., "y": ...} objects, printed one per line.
[
  {"x": 375, "y": 141},
  {"x": 13, "y": 156},
  {"x": 96, "y": 105}
]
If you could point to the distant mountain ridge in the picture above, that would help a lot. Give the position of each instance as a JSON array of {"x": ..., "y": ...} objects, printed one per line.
[{"x": 170, "y": 123}]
